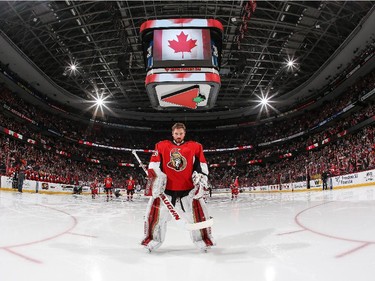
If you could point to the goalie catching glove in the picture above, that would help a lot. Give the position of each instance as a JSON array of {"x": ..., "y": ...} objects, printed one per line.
[
  {"x": 200, "y": 182},
  {"x": 157, "y": 182}
]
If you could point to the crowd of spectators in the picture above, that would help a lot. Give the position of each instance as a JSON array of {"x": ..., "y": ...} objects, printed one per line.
[
  {"x": 48, "y": 166},
  {"x": 350, "y": 154},
  {"x": 353, "y": 152},
  {"x": 239, "y": 137}
]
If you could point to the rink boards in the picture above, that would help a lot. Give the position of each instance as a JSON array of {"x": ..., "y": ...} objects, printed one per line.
[{"x": 366, "y": 178}]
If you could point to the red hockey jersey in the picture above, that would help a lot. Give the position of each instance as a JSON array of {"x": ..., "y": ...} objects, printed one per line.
[
  {"x": 178, "y": 162},
  {"x": 130, "y": 184},
  {"x": 108, "y": 182}
]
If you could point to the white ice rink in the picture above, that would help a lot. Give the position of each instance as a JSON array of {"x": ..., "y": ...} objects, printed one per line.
[{"x": 304, "y": 236}]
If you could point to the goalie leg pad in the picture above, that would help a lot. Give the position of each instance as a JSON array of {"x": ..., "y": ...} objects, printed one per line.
[
  {"x": 196, "y": 211},
  {"x": 155, "y": 224},
  {"x": 202, "y": 238}
]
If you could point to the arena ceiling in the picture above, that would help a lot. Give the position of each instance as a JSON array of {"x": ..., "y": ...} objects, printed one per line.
[{"x": 102, "y": 37}]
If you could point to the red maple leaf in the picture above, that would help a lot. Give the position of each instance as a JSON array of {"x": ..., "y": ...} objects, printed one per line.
[{"x": 182, "y": 45}]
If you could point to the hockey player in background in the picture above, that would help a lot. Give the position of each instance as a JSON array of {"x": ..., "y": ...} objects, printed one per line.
[
  {"x": 94, "y": 188},
  {"x": 130, "y": 184},
  {"x": 234, "y": 187},
  {"x": 179, "y": 169},
  {"x": 108, "y": 184}
]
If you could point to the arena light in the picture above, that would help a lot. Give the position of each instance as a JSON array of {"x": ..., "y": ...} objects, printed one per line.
[
  {"x": 264, "y": 101},
  {"x": 99, "y": 103},
  {"x": 291, "y": 63},
  {"x": 100, "y": 100},
  {"x": 72, "y": 68}
]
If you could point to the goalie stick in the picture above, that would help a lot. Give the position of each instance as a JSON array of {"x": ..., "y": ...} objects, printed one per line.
[{"x": 173, "y": 211}]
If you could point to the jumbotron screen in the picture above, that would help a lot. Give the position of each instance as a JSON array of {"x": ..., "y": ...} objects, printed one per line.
[{"x": 182, "y": 48}]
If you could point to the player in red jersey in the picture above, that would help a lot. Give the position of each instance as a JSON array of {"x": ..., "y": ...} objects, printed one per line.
[
  {"x": 130, "y": 184},
  {"x": 235, "y": 188},
  {"x": 94, "y": 188},
  {"x": 181, "y": 172},
  {"x": 108, "y": 184}
]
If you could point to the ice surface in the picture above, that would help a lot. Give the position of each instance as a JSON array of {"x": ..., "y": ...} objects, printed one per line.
[{"x": 309, "y": 236}]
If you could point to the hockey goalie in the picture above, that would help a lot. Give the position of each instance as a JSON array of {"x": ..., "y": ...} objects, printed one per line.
[{"x": 177, "y": 170}]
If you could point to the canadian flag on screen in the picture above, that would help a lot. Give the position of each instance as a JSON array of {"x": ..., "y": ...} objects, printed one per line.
[{"x": 182, "y": 44}]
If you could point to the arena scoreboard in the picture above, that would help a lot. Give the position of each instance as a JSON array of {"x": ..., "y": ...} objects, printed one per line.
[{"x": 182, "y": 58}]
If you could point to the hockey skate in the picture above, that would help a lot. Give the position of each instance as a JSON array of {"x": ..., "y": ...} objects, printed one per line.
[
  {"x": 151, "y": 246},
  {"x": 202, "y": 246}
]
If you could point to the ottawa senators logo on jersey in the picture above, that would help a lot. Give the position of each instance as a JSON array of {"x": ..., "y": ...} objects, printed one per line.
[{"x": 178, "y": 162}]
